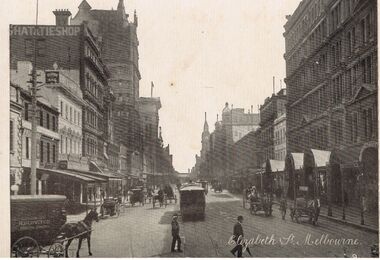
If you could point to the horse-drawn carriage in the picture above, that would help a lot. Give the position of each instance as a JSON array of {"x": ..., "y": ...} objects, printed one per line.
[
  {"x": 111, "y": 207},
  {"x": 35, "y": 224},
  {"x": 38, "y": 226},
  {"x": 169, "y": 194},
  {"x": 261, "y": 202},
  {"x": 160, "y": 198},
  {"x": 305, "y": 208},
  {"x": 137, "y": 196}
]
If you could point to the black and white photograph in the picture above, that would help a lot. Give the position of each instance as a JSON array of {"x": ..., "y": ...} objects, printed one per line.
[{"x": 190, "y": 128}]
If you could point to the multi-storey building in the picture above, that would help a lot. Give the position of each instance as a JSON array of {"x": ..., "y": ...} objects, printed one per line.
[
  {"x": 15, "y": 139},
  {"x": 68, "y": 61},
  {"x": 47, "y": 140},
  {"x": 272, "y": 108},
  {"x": 119, "y": 44},
  {"x": 331, "y": 76},
  {"x": 148, "y": 109},
  {"x": 279, "y": 128}
]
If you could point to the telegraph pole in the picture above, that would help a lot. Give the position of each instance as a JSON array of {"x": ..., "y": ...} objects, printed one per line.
[{"x": 34, "y": 75}]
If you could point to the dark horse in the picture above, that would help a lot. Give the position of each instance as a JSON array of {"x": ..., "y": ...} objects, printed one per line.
[{"x": 80, "y": 230}]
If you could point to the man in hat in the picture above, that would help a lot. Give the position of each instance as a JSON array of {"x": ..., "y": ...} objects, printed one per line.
[
  {"x": 175, "y": 234},
  {"x": 238, "y": 235}
]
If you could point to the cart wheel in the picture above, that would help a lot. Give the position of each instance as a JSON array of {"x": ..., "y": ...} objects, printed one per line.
[
  {"x": 56, "y": 250},
  {"x": 25, "y": 247}
]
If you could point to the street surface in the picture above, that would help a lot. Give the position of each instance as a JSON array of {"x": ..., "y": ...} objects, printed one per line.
[{"x": 142, "y": 231}]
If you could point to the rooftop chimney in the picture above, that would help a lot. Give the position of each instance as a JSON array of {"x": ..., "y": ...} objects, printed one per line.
[{"x": 62, "y": 17}]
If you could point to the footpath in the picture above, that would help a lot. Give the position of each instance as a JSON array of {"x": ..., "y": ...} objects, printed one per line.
[{"x": 352, "y": 216}]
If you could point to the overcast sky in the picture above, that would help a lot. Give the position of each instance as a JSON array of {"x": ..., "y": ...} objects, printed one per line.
[{"x": 199, "y": 54}]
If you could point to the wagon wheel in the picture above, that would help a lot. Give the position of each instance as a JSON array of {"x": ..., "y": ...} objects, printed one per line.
[
  {"x": 25, "y": 247},
  {"x": 56, "y": 250}
]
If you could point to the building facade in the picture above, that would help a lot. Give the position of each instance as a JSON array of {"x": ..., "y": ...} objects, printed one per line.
[
  {"x": 148, "y": 109},
  {"x": 15, "y": 139},
  {"x": 47, "y": 140},
  {"x": 331, "y": 67},
  {"x": 272, "y": 108},
  {"x": 118, "y": 40}
]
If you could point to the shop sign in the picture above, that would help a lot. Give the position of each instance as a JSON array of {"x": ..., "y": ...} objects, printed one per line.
[{"x": 51, "y": 77}]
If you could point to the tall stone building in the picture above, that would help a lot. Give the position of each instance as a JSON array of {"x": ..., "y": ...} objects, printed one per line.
[
  {"x": 148, "y": 109},
  {"x": 331, "y": 77},
  {"x": 119, "y": 45},
  {"x": 272, "y": 108}
]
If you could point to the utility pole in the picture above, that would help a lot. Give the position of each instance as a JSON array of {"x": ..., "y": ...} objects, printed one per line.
[{"x": 34, "y": 75}]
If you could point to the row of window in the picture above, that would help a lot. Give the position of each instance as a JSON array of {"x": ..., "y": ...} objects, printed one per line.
[
  {"x": 91, "y": 147},
  {"x": 354, "y": 37},
  {"x": 94, "y": 87},
  {"x": 49, "y": 151},
  {"x": 280, "y": 136},
  {"x": 93, "y": 119},
  {"x": 367, "y": 121},
  {"x": 46, "y": 120},
  {"x": 70, "y": 113},
  {"x": 343, "y": 86},
  {"x": 70, "y": 145}
]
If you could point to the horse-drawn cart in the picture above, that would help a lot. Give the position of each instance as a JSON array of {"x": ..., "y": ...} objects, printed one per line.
[
  {"x": 262, "y": 203},
  {"x": 304, "y": 208},
  {"x": 38, "y": 226},
  {"x": 111, "y": 207},
  {"x": 35, "y": 225},
  {"x": 169, "y": 194}
]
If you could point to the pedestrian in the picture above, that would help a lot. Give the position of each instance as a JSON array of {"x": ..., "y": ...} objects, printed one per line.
[
  {"x": 175, "y": 234},
  {"x": 238, "y": 235}
]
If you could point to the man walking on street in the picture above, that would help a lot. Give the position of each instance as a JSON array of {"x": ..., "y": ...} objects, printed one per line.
[
  {"x": 175, "y": 234},
  {"x": 238, "y": 235}
]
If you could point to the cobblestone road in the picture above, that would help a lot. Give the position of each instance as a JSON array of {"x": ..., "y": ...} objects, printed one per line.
[{"x": 145, "y": 232}]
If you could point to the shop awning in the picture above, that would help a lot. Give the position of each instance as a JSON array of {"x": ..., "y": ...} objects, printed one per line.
[
  {"x": 321, "y": 157},
  {"x": 277, "y": 165},
  {"x": 70, "y": 174},
  {"x": 298, "y": 160}
]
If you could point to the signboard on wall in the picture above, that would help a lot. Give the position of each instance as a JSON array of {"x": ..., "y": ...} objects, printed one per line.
[
  {"x": 51, "y": 77},
  {"x": 62, "y": 165}
]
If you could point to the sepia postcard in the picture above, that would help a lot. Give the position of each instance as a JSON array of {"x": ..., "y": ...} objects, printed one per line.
[{"x": 190, "y": 128}]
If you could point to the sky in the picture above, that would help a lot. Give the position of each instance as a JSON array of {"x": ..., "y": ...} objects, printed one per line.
[{"x": 200, "y": 54}]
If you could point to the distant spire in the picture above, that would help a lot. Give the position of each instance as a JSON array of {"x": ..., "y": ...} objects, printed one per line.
[
  {"x": 205, "y": 126},
  {"x": 121, "y": 9}
]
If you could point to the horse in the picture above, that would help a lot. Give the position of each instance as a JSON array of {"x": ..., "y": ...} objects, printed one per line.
[
  {"x": 80, "y": 230},
  {"x": 314, "y": 206}
]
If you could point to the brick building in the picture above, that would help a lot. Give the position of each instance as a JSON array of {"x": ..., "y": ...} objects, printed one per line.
[
  {"x": 331, "y": 77},
  {"x": 119, "y": 44},
  {"x": 272, "y": 108}
]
